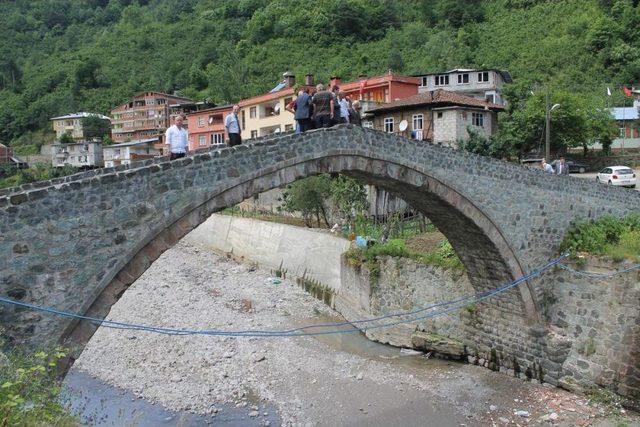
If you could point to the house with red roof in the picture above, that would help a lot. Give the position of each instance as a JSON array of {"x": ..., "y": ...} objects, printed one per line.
[{"x": 438, "y": 116}]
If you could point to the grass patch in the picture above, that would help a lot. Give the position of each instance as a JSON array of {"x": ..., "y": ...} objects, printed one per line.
[
  {"x": 29, "y": 390},
  {"x": 442, "y": 256},
  {"x": 618, "y": 239}
]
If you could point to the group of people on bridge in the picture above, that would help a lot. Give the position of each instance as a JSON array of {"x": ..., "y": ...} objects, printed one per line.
[{"x": 312, "y": 109}]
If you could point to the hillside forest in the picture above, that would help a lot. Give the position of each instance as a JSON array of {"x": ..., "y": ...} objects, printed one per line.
[{"x": 62, "y": 56}]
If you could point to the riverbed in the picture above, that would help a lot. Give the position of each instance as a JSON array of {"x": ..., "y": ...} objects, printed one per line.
[{"x": 327, "y": 380}]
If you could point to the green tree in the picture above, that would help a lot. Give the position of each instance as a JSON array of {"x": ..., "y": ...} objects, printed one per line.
[
  {"x": 95, "y": 127},
  {"x": 309, "y": 197},
  {"x": 66, "y": 138},
  {"x": 349, "y": 197}
]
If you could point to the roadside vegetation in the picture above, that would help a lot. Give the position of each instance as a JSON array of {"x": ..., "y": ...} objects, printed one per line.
[
  {"x": 618, "y": 239},
  {"x": 12, "y": 177},
  {"x": 29, "y": 390}
]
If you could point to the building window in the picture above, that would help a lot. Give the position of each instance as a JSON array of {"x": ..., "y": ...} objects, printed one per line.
[
  {"x": 200, "y": 122},
  {"x": 254, "y": 134},
  {"x": 477, "y": 119},
  {"x": 490, "y": 98},
  {"x": 388, "y": 124},
  {"x": 252, "y": 112},
  {"x": 463, "y": 79},
  {"x": 439, "y": 114},
  {"x": 483, "y": 77},
  {"x": 423, "y": 81},
  {"x": 623, "y": 132},
  {"x": 442, "y": 80},
  {"x": 217, "y": 139},
  {"x": 367, "y": 124},
  {"x": 288, "y": 128},
  {"x": 418, "y": 120},
  {"x": 386, "y": 95},
  {"x": 202, "y": 140},
  {"x": 243, "y": 121}
]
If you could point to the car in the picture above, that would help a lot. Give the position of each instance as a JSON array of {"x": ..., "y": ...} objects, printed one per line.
[
  {"x": 574, "y": 166},
  {"x": 617, "y": 175}
]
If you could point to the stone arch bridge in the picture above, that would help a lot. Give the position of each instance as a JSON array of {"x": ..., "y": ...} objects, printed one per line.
[{"x": 76, "y": 243}]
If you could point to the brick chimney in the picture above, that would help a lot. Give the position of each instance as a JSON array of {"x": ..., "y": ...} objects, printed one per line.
[
  {"x": 309, "y": 80},
  {"x": 289, "y": 79}
]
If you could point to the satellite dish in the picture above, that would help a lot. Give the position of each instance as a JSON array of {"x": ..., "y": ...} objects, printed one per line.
[
  {"x": 210, "y": 120},
  {"x": 403, "y": 126}
]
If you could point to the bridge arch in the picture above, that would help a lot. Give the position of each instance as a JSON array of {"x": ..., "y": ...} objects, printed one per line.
[{"x": 99, "y": 231}]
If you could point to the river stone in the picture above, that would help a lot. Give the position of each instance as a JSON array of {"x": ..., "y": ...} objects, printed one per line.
[{"x": 437, "y": 343}]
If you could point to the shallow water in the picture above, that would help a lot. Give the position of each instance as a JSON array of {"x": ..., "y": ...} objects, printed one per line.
[{"x": 99, "y": 404}]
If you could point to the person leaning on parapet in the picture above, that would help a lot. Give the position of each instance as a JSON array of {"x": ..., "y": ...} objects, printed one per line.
[
  {"x": 547, "y": 167},
  {"x": 177, "y": 139},
  {"x": 561, "y": 167},
  {"x": 323, "y": 107},
  {"x": 354, "y": 113},
  {"x": 303, "y": 110},
  {"x": 233, "y": 127}
]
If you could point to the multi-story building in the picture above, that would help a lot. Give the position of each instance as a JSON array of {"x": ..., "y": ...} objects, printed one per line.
[
  {"x": 72, "y": 124},
  {"x": 128, "y": 152},
  {"x": 375, "y": 91},
  {"x": 265, "y": 114},
  {"x": 206, "y": 127},
  {"x": 484, "y": 84},
  {"x": 146, "y": 116},
  {"x": 440, "y": 117},
  {"x": 86, "y": 154}
]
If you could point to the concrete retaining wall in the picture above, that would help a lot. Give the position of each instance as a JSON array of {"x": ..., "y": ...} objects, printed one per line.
[{"x": 271, "y": 244}]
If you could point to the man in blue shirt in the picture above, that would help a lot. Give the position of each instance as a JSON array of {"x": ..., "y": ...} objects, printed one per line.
[{"x": 233, "y": 127}]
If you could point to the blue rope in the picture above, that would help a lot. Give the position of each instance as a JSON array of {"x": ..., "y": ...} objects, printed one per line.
[
  {"x": 598, "y": 275},
  {"x": 456, "y": 305}
]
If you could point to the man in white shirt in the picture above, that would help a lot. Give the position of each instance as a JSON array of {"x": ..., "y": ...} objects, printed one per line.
[
  {"x": 233, "y": 127},
  {"x": 177, "y": 139},
  {"x": 344, "y": 107}
]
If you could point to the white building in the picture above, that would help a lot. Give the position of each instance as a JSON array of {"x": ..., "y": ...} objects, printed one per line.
[
  {"x": 484, "y": 84},
  {"x": 72, "y": 124},
  {"x": 81, "y": 155},
  {"x": 129, "y": 152}
]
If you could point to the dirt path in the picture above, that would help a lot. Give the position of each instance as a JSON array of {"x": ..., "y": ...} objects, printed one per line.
[{"x": 333, "y": 380}]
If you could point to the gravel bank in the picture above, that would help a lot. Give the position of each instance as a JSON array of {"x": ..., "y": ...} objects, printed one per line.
[{"x": 309, "y": 381}]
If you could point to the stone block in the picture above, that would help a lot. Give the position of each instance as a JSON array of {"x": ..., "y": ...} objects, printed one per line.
[{"x": 448, "y": 347}]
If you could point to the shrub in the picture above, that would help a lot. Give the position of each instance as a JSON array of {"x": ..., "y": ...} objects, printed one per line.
[
  {"x": 609, "y": 236},
  {"x": 29, "y": 390}
]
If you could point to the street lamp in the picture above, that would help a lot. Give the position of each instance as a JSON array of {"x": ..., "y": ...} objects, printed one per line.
[{"x": 547, "y": 145}]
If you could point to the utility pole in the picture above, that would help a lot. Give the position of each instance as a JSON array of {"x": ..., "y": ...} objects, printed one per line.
[{"x": 547, "y": 139}]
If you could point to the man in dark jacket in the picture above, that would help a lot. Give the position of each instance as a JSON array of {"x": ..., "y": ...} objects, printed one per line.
[
  {"x": 354, "y": 113},
  {"x": 303, "y": 110},
  {"x": 323, "y": 107}
]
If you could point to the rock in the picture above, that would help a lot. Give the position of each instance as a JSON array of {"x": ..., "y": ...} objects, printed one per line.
[
  {"x": 254, "y": 414},
  {"x": 493, "y": 407},
  {"x": 442, "y": 345},
  {"x": 523, "y": 414},
  {"x": 503, "y": 420},
  {"x": 259, "y": 358},
  {"x": 360, "y": 377},
  {"x": 549, "y": 417}
]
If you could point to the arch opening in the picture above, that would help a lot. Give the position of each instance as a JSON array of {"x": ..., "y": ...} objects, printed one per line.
[{"x": 486, "y": 254}]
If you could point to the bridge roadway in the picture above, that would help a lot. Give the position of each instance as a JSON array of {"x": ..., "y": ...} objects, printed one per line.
[{"x": 76, "y": 243}]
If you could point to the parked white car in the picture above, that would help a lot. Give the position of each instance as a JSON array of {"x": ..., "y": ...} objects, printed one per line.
[{"x": 617, "y": 175}]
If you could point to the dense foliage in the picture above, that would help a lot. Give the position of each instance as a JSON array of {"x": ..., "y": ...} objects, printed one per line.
[
  {"x": 319, "y": 196},
  {"x": 29, "y": 390},
  {"x": 60, "y": 56},
  {"x": 613, "y": 237}
]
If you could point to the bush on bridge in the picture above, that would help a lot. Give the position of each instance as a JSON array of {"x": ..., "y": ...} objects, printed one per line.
[{"x": 616, "y": 238}]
